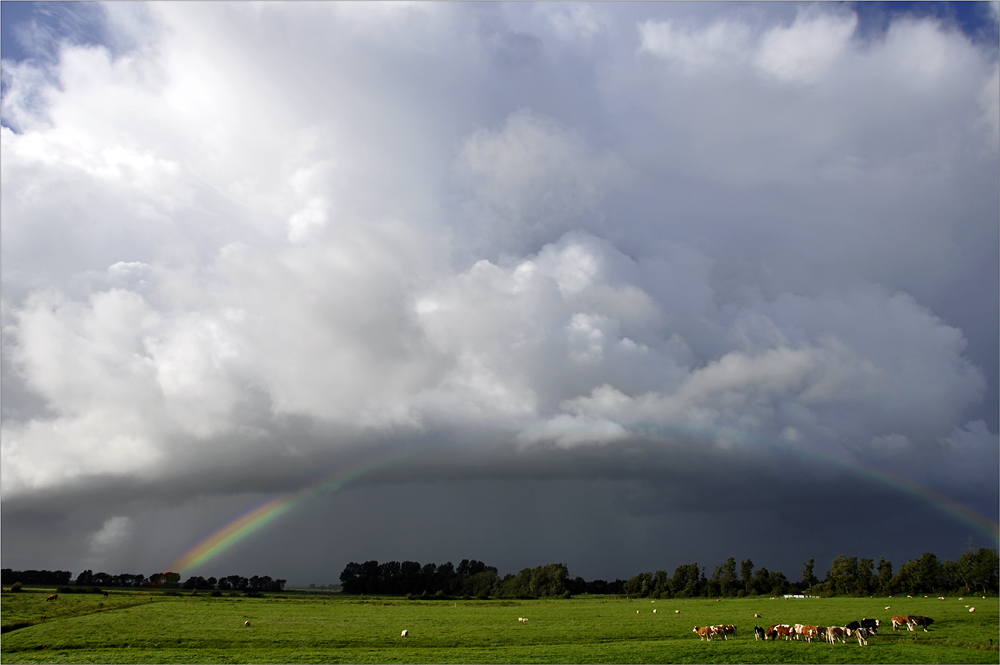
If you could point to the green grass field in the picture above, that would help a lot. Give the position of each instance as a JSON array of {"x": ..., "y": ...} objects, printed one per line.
[{"x": 149, "y": 627}]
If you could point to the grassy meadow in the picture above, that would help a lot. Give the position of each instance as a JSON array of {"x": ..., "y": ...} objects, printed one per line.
[{"x": 292, "y": 627}]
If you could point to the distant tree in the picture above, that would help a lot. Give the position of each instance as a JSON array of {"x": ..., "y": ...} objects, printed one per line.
[
  {"x": 661, "y": 584},
  {"x": 884, "y": 577},
  {"x": 730, "y": 583},
  {"x": 779, "y": 583},
  {"x": 923, "y": 575},
  {"x": 847, "y": 577},
  {"x": 761, "y": 581},
  {"x": 808, "y": 576},
  {"x": 640, "y": 585},
  {"x": 686, "y": 581},
  {"x": 866, "y": 582},
  {"x": 746, "y": 570},
  {"x": 978, "y": 571}
]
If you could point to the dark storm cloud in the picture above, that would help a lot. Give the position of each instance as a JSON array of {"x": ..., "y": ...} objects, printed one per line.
[{"x": 711, "y": 261}]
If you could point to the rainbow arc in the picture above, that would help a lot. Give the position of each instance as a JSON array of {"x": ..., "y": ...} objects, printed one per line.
[{"x": 243, "y": 526}]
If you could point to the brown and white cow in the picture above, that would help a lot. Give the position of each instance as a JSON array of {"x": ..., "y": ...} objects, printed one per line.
[
  {"x": 781, "y": 630},
  {"x": 862, "y": 634},
  {"x": 809, "y": 632},
  {"x": 704, "y": 632},
  {"x": 725, "y": 630},
  {"x": 834, "y": 633},
  {"x": 917, "y": 620},
  {"x": 901, "y": 621},
  {"x": 54, "y": 596}
]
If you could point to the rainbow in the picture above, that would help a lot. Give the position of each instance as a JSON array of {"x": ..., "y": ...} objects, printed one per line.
[
  {"x": 257, "y": 518},
  {"x": 254, "y": 520}
]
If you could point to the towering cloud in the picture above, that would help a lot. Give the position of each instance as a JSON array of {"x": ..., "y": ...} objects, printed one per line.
[{"x": 273, "y": 237}]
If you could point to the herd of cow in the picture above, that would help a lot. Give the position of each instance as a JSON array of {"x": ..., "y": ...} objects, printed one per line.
[{"x": 860, "y": 630}]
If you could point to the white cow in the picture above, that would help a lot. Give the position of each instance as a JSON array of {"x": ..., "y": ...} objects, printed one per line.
[{"x": 405, "y": 633}]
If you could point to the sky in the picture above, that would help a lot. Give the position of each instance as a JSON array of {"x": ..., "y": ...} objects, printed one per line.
[{"x": 623, "y": 286}]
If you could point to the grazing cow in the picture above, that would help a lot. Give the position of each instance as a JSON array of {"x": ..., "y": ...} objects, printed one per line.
[
  {"x": 782, "y": 630},
  {"x": 758, "y": 633},
  {"x": 246, "y": 623},
  {"x": 677, "y": 611},
  {"x": 405, "y": 633},
  {"x": 834, "y": 633},
  {"x": 871, "y": 625},
  {"x": 901, "y": 621},
  {"x": 972, "y": 609},
  {"x": 917, "y": 620},
  {"x": 796, "y": 630},
  {"x": 809, "y": 632},
  {"x": 756, "y": 616},
  {"x": 862, "y": 635},
  {"x": 654, "y": 611},
  {"x": 704, "y": 632},
  {"x": 54, "y": 596},
  {"x": 105, "y": 593},
  {"x": 854, "y": 625},
  {"x": 724, "y": 630}
]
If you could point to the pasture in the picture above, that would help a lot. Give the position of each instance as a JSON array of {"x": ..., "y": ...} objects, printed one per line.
[{"x": 291, "y": 627}]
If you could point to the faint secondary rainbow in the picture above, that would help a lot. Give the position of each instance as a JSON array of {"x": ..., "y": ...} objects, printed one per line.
[
  {"x": 942, "y": 502},
  {"x": 254, "y": 520}
]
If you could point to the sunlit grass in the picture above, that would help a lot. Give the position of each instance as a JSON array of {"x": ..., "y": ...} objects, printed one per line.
[{"x": 155, "y": 628}]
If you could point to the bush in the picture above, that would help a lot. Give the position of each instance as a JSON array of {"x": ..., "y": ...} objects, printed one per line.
[
  {"x": 16, "y": 588},
  {"x": 215, "y": 593},
  {"x": 65, "y": 589}
]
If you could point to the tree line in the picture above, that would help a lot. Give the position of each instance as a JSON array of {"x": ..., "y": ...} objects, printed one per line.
[
  {"x": 168, "y": 580},
  {"x": 847, "y": 576},
  {"x": 471, "y": 579},
  {"x": 973, "y": 572}
]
